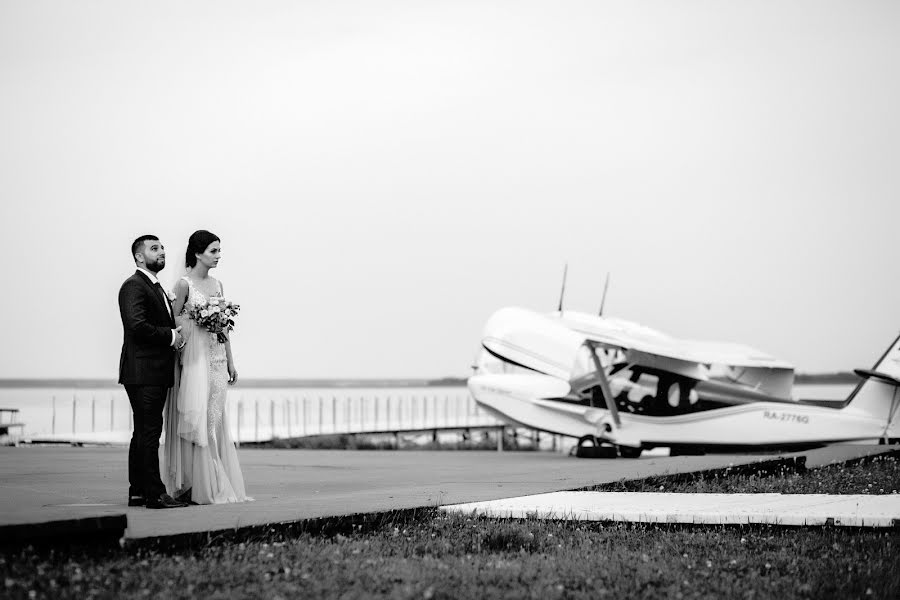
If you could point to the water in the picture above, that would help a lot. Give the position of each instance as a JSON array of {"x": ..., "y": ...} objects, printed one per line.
[
  {"x": 104, "y": 414},
  {"x": 259, "y": 414}
]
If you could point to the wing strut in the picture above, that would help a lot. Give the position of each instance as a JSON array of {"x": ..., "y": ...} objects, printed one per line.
[
  {"x": 562, "y": 292},
  {"x": 604, "y": 386},
  {"x": 603, "y": 300}
]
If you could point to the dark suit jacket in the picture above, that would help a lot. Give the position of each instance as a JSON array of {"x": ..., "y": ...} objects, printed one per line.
[{"x": 147, "y": 354}]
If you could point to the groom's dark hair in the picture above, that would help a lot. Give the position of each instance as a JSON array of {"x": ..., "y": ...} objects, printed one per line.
[
  {"x": 139, "y": 242},
  {"x": 197, "y": 244}
]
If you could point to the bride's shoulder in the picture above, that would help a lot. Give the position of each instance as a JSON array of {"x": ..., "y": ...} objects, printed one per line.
[{"x": 182, "y": 287}]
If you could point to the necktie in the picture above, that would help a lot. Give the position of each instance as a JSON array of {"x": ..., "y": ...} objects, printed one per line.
[{"x": 165, "y": 298}]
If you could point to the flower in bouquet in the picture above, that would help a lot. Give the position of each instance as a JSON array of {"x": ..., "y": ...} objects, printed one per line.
[{"x": 216, "y": 315}]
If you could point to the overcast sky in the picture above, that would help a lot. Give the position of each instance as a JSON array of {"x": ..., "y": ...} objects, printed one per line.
[{"x": 384, "y": 175}]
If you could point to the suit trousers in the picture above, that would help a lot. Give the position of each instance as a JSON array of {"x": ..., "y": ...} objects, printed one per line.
[{"x": 147, "y": 403}]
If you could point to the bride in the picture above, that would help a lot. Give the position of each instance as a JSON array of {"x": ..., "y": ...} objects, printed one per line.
[{"x": 200, "y": 462}]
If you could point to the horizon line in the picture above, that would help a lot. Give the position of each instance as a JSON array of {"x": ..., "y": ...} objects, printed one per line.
[
  {"x": 835, "y": 377},
  {"x": 250, "y": 382}
]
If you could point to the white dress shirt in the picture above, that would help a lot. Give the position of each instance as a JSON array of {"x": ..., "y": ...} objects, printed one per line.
[{"x": 153, "y": 280}]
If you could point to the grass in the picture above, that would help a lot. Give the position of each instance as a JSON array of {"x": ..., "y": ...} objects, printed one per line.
[
  {"x": 425, "y": 554},
  {"x": 878, "y": 474}
]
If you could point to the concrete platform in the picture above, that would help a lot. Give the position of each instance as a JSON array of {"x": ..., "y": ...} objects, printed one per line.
[
  {"x": 45, "y": 485},
  {"x": 712, "y": 509}
]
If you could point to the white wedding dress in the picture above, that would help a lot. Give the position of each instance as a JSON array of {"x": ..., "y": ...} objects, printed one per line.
[{"x": 200, "y": 461}]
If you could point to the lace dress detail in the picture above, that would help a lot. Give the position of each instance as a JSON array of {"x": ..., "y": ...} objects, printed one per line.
[
  {"x": 218, "y": 365},
  {"x": 205, "y": 471}
]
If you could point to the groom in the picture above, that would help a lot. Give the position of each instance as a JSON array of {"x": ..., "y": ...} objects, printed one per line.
[{"x": 147, "y": 369}]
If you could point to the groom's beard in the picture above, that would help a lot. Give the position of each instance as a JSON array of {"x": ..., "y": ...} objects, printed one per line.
[{"x": 156, "y": 267}]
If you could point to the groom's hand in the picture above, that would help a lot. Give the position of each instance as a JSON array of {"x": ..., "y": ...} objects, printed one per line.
[{"x": 178, "y": 339}]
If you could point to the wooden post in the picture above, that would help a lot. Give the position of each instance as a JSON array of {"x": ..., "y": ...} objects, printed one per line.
[
  {"x": 500, "y": 439},
  {"x": 287, "y": 409},
  {"x": 362, "y": 413},
  {"x": 256, "y": 419},
  {"x": 112, "y": 412},
  {"x": 93, "y": 413},
  {"x": 74, "y": 405},
  {"x": 347, "y": 412},
  {"x": 240, "y": 415},
  {"x": 53, "y": 418},
  {"x": 334, "y": 414},
  {"x": 376, "y": 412},
  {"x": 321, "y": 408},
  {"x": 272, "y": 416}
]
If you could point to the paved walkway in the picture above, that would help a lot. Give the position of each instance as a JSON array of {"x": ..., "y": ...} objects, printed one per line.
[
  {"x": 727, "y": 509},
  {"x": 74, "y": 489}
]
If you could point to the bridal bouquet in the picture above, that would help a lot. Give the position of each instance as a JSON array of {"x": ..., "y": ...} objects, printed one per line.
[{"x": 216, "y": 315}]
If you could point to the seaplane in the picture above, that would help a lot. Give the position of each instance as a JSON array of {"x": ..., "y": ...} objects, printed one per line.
[{"x": 616, "y": 384}]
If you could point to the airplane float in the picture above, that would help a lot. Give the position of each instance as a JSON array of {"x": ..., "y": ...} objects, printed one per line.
[{"x": 616, "y": 383}]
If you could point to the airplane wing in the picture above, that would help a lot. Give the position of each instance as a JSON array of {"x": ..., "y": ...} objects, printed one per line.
[
  {"x": 628, "y": 335},
  {"x": 554, "y": 344}
]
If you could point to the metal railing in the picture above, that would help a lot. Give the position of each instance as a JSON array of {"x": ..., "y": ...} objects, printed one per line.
[{"x": 263, "y": 415}]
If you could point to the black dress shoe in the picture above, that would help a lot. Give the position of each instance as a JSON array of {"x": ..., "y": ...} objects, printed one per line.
[
  {"x": 165, "y": 501},
  {"x": 136, "y": 501},
  {"x": 185, "y": 498}
]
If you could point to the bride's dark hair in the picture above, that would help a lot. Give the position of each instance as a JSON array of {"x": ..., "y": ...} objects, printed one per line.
[{"x": 197, "y": 244}]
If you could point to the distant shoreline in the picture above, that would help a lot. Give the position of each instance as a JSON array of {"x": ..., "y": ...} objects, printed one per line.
[
  {"x": 246, "y": 383},
  {"x": 843, "y": 377}
]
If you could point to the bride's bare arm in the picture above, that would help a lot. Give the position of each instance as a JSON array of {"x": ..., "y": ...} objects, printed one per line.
[
  {"x": 181, "y": 294},
  {"x": 232, "y": 371}
]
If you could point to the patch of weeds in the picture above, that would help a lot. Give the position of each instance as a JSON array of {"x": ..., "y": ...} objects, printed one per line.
[{"x": 879, "y": 474}]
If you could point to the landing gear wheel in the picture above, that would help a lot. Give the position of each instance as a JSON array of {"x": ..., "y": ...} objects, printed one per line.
[
  {"x": 629, "y": 452},
  {"x": 590, "y": 446}
]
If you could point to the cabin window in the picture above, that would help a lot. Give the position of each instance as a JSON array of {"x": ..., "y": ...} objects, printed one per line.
[{"x": 633, "y": 386}]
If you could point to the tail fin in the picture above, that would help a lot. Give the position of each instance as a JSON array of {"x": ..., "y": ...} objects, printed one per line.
[{"x": 879, "y": 392}]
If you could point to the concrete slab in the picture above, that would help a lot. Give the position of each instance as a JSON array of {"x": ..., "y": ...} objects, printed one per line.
[
  {"x": 711, "y": 509},
  {"x": 60, "y": 484}
]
